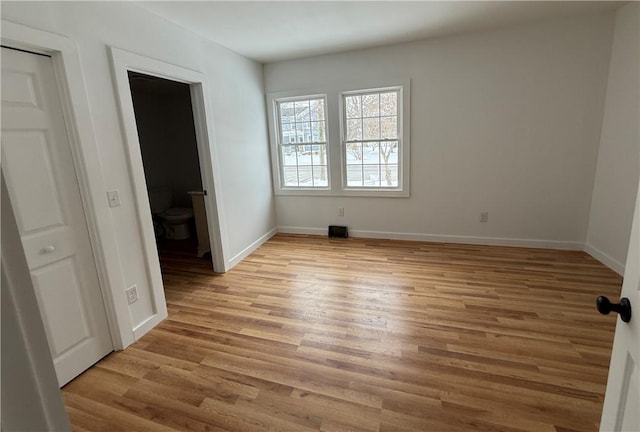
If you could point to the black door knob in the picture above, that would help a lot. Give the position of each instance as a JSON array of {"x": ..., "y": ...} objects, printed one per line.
[{"x": 623, "y": 308}]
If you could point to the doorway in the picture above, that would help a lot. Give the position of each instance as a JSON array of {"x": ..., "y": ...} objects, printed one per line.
[
  {"x": 123, "y": 63},
  {"x": 168, "y": 144}
]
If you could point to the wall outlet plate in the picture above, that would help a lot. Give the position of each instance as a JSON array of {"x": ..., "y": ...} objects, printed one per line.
[
  {"x": 484, "y": 217},
  {"x": 132, "y": 294},
  {"x": 114, "y": 198}
]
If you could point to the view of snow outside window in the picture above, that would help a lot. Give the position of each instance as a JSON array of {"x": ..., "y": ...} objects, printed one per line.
[
  {"x": 303, "y": 142},
  {"x": 371, "y": 139}
]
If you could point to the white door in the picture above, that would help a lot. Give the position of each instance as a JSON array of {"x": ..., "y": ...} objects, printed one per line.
[
  {"x": 43, "y": 189},
  {"x": 621, "y": 403}
]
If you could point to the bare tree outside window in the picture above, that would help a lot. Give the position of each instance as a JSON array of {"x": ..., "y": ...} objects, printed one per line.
[{"x": 371, "y": 138}]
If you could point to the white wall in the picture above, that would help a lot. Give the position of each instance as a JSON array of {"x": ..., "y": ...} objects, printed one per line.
[
  {"x": 505, "y": 121},
  {"x": 619, "y": 156},
  {"x": 237, "y": 96}
]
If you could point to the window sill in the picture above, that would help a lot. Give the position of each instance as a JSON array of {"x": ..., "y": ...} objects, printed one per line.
[{"x": 351, "y": 192}]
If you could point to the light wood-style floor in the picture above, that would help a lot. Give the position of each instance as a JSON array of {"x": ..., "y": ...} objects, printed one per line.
[{"x": 313, "y": 334}]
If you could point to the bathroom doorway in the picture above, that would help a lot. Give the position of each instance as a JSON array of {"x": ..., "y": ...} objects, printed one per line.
[{"x": 169, "y": 149}]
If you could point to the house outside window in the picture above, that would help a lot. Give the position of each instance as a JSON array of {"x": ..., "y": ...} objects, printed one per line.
[
  {"x": 302, "y": 142},
  {"x": 341, "y": 139}
]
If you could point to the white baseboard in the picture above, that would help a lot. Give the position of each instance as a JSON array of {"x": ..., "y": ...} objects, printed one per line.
[
  {"x": 493, "y": 241},
  {"x": 605, "y": 259},
  {"x": 252, "y": 247},
  {"x": 301, "y": 230},
  {"x": 146, "y": 325}
]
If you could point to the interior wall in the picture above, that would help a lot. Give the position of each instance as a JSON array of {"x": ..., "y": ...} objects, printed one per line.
[
  {"x": 236, "y": 95},
  {"x": 504, "y": 121},
  {"x": 164, "y": 118},
  {"x": 618, "y": 168}
]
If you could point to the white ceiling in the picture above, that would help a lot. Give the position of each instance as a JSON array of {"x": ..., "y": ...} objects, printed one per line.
[{"x": 269, "y": 31}]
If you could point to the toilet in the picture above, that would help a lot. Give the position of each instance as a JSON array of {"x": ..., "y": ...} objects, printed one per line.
[{"x": 170, "y": 223}]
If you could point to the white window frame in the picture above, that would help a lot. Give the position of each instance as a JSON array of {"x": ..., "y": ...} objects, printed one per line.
[
  {"x": 336, "y": 156},
  {"x": 400, "y": 140},
  {"x": 276, "y": 138}
]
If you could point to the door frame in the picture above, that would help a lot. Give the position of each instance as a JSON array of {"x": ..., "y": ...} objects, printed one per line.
[
  {"x": 123, "y": 62},
  {"x": 75, "y": 106}
]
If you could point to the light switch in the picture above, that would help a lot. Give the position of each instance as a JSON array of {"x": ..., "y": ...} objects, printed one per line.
[{"x": 114, "y": 198}]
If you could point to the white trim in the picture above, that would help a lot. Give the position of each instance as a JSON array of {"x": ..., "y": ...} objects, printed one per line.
[
  {"x": 279, "y": 142},
  {"x": 146, "y": 325},
  {"x": 70, "y": 79},
  {"x": 403, "y": 87},
  {"x": 210, "y": 173},
  {"x": 303, "y": 230},
  {"x": 252, "y": 247},
  {"x": 335, "y": 154},
  {"x": 275, "y": 138},
  {"x": 123, "y": 62},
  {"x": 605, "y": 259},
  {"x": 436, "y": 238}
]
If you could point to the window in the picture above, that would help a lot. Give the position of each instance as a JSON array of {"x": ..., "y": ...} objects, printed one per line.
[
  {"x": 341, "y": 139},
  {"x": 302, "y": 142},
  {"x": 371, "y": 138}
]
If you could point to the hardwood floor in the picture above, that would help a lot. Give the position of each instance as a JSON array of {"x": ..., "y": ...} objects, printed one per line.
[{"x": 317, "y": 334}]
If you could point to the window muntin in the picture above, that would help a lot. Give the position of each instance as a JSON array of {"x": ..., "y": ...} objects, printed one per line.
[
  {"x": 302, "y": 142},
  {"x": 371, "y": 137}
]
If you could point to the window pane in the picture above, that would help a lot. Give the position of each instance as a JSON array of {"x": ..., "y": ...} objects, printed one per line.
[
  {"x": 354, "y": 153},
  {"x": 389, "y": 175},
  {"x": 371, "y": 153},
  {"x": 319, "y": 154},
  {"x": 288, "y": 131},
  {"x": 354, "y": 130},
  {"x": 287, "y": 112},
  {"x": 289, "y": 155},
  {"x": 317, "y": 109},
  {"x": 389, "y": 103},
  {"x": 305, "y": 175},
  {"x": 303, "y": 137},
  {"x": 293, "y": 137},
  {"x": 318, "y": 133},
  {"x": 302, "y": 111},
  {"x": 370, "y": 105},
  {"x": 371, "y": 128},
  {"x": 304, "y": 154},
  {"x": 371, "y": 175},
  {"x": 290, "y": 176},
  {"x": 354, "y": 175},
  {"x": 372, "y": 132},
  {"x": 320, "y": 176},
  {"x": 389, "y": 152},
  {"x": 353, "y": 106},
  {"x": 303, "y": 132},
  {"x": 389, "y": 127}
]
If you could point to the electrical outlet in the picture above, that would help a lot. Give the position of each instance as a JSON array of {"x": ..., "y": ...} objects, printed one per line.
[
  {"x": 340, "y": 211},
  {"x": 114, "y": 198},
  {"x": 484, "y": 217},
  {"x": 132, "y": 294}
]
